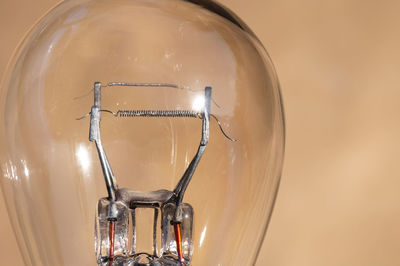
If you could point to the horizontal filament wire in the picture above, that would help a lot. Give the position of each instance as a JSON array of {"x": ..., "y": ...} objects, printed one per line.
[{"x": 158, "y": 113}]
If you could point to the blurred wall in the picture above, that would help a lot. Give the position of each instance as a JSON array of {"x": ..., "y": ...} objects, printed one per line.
[{"x": 338, "y": 63}]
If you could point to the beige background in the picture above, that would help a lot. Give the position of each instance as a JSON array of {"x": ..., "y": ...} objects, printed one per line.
[{"x": 338, "y": 63}]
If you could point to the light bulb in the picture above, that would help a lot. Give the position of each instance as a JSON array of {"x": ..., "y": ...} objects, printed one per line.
[{"x": 183, "y": 167}]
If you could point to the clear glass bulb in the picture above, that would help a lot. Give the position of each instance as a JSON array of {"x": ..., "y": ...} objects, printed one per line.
[{"x": 172, "y": 50}]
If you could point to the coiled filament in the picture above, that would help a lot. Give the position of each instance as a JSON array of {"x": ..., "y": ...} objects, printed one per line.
[
  {"x": 158, "y": 113},
  {"x": 161, "y": 113}
]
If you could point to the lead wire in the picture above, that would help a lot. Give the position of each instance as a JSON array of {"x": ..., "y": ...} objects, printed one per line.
[
  {"x": 178, "y": 240},
  {"x": 112, "y": 240}
]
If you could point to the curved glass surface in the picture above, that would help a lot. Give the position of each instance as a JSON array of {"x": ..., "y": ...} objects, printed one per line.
[{"x": 51, "y": 174}]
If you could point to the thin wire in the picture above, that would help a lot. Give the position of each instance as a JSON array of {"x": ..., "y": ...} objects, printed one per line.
[
  {"x": 222, "y": 130},
  {"x": 169, "y": 85},
  {"x": 82, "y": 96},
  {"x": 106, "y": 111},
  {"x": 84, "y": 116},
  {"x": 160, "y": 113},
  {"x": 128, "y": 84}
]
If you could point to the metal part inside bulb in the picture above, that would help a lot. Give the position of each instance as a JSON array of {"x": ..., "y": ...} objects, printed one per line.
[{"x": 117, "y": 212}]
